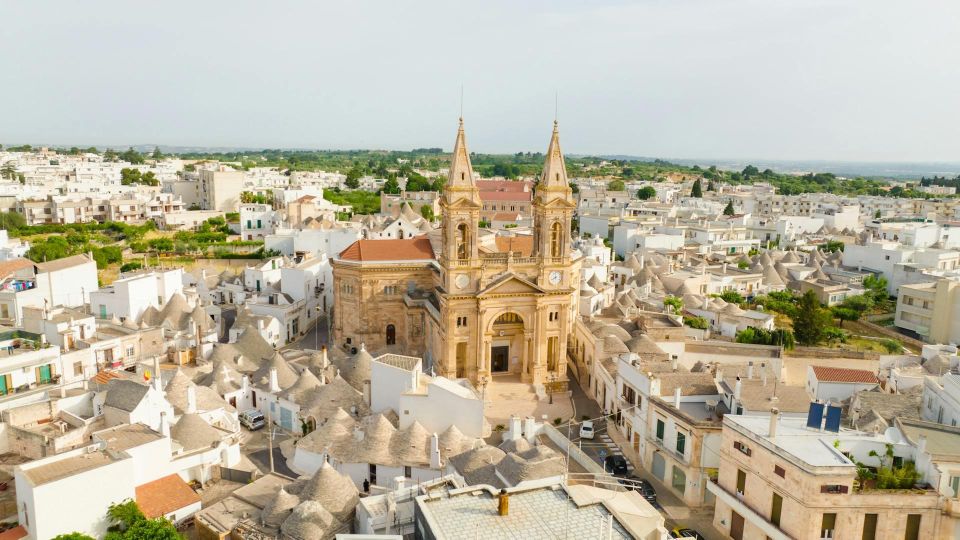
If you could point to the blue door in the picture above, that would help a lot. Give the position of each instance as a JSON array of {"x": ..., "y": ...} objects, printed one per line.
[{"x": 286, "y": 419}]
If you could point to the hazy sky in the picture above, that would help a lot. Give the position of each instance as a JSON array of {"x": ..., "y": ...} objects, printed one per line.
[{"x": 800, "y": 79}]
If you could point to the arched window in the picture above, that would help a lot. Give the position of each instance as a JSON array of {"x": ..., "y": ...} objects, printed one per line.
[
  {"x": 391, "y": 335},
  {"x": 462, "y": 241},
  {"x": 556, "y": 237}
]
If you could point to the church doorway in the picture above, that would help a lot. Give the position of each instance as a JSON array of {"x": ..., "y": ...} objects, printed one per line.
[
  {"x": 500, "y": 359},
  {"x": 391, "y": 335}
]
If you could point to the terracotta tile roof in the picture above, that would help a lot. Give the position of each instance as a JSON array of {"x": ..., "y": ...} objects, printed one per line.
[
  {"x": 517, "y": 244},
  {"x": 833, "y": 374},
  {"x": 411, "y": 249},
  {"x": 9, "y": 267},
  {"x": 507, "y": 216},
  {"x": 103, "y": 377},
  {"x": 165, "y": 495},
  {"x": 503, "y": 185},
  {"x": 64, "y": 263},
  {"x": 15, "y": 533}
]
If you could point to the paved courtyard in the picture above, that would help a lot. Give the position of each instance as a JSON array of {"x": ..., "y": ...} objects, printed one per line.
[{"x": 506, "y": 395}]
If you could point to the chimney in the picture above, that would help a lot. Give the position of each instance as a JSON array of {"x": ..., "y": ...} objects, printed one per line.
[
  {"x": 504, "y": 507},
  {"x": 718, "y": 375},
  {"x": 245, "y": 386},
  {"x": 324, "y": 360},
  {"x": 191, "y": 400},
  {"x": 724, "y": 268},
  {"x": 641, "y": 260},
  {"x": 164, "y": 425},
  {"x": 674, "y": 363},
  {"x": 676, "y": 398},
  {"x": 366, "y": 392},
  {"x": 157, "y": 382},
  {"x": 357, "y": 434},
  {"x": 260, "y": 325},
  {"x": 274, "y": 384},
  {"x": 774, "y": 420},
  {"x": 514, "y": 430},
  {"x": 750, "y": 370},
  {"x": 737, "y": 389},
  {"x": 530, "y": 429},
  {"x": 434, "y": 451},
  {"x": 763, "y": 372},
  {"x": 922, "y": 444}
]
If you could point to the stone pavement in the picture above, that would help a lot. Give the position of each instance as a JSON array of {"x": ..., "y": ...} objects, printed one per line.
[{"x": 507, "y": 395}]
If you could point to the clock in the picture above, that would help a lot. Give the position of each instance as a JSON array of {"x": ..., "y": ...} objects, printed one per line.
[
  {"x": 461, "y": 281},
  {"x": 555, "y": 277}
]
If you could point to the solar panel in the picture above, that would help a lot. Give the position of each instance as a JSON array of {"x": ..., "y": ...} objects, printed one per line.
[
  {"x": 833, "y": 419},
  {"x": 815, "y": 416}
]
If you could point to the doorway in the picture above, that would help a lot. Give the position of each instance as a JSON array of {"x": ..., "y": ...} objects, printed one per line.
[
  {"x": 499, "y": 359},
  {"x": 391, "y": 334},
  {"x": 736, "y": 526}
]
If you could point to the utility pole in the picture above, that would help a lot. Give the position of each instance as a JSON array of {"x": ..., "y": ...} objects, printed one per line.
[{"x": 270, "y": 433}]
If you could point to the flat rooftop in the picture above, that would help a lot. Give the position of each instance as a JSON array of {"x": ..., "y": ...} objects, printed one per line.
[
  {"x": 127, "y": 436},
  {"x": 547, "y": 512},
  {"x": 63, "y": 468}
]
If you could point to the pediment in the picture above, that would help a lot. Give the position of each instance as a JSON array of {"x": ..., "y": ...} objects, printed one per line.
[
  {"x": 462, "y": 203},
  {"x": 557, "y": 203},
  {"x": 511, "y": 284}
]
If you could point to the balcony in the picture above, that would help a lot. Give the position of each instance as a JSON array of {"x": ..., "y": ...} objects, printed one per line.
[{"x": 672, "y": 452}]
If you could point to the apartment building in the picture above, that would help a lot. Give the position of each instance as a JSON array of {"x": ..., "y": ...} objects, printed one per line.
[
  {"x": 257, "y": 221},
  {"x": 780, "y": 479},
  {"x": 941, "y": 399},
  {"x": 932, "y": 310},
  {"x": 221, "y": 189}
]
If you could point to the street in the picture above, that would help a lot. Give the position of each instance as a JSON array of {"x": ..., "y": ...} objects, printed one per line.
[
  {"x": 675, "y": 512},
  {"x": 315, "y": 337}
]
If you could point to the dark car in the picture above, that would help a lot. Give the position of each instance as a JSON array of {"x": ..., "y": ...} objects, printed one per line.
[
  {"x": 616, "y": 465},
  {"x": 641, "y": 486},
  {"x": 681, "y": 532}
]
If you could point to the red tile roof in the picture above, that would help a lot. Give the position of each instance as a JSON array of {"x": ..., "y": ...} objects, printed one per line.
[
  {"x": 15, "y": 533},
  {"x": 518, "y": 244},
  {"x": 507, "y": 216},
  {"x": 9, "y": 267},
  {"x": 165, "y": 495},
  {"x": 845, "y": 375},
  {"x": 502, "y": 185},
  {"x": 411, "y": 249}
]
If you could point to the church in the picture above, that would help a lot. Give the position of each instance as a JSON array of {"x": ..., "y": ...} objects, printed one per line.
[{"x": 473, "y": 304}]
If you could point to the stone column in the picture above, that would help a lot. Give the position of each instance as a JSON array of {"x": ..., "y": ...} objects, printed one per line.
[{"x": 527, "y": 356}]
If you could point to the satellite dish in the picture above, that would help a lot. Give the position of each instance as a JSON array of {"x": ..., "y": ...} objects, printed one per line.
[{"x": 893, "y": 435}]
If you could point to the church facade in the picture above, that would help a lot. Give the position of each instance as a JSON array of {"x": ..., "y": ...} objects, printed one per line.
[{"x": 471, "y": 308}]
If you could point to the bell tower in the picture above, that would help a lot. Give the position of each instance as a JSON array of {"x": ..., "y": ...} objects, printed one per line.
[
  {"x": 460, "y": 209},
  {"x": 553, "y": 208}
]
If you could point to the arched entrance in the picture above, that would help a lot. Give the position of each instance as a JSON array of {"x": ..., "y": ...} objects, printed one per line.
[
  {"x": 507, "y": 343},
  {"x": 391, "y": 335}
]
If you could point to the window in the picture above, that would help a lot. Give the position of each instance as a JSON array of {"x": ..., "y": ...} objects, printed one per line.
[
  {"x": 556, "y": 239},
  {"x": 681, "y": 442},
  {"x": 259, "y": 224},
  {"x": 833, "y": 488},
  {"x": 869, "y": 527},
  {"x": 408, "y": 472},
  {"x": 955, "y": 483},
  {"x": 778, "y": 470},
  {"x": 827, "y": 524},
  {"x": 78, "y": 368},
  {"x": 745, "y": 450},
  {"x": 913, "y": 527},
  {"x": 679, "y": 479},
  {"x": 461, "y": 322},
  {"x": 776, "y": 506},
  {"x": 131, "y": 351},
  {"x": 660, "y": 428},
  {"x": 741, "y": 482}
]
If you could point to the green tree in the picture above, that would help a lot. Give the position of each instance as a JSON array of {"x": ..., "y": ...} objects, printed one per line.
[
  {"x": 811, "y": 320},
  {"x": 8, "y": 171},
  {"x": 129, "y": 176},
  {"x": 353, "y": 178},
  {"x": 11, "y": 221},
  {"x": 729, "y": 211},
  {"x": 845, "y": 314},
  {"x": 391, "y": 186},
  {"x": 698, "y": 323},
  {"x": 749, "y": 171},
  {"x": 833, "y": 246},
  {"x": 697, "y": 190},
  {"x": 646, "y": 192},
  {"x": 876, "y": 287},
  {"x": 73, "y": 536},
  {"x": 157, "y": 154},
  {"x": 152, "y": 529},
  {"x": 123, "y": 515},
  {"x": 427, "y": 212},
  {"x": 732, "y": 297},
  {"x": 574, "y": 188},
  {"x": 616, "y": 185},
  {"x": 132, "y": 156},
  {"x": 674, "y": 303},
  {"x": 711, "y": 186}
]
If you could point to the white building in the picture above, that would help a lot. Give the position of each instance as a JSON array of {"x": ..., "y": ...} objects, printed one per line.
[
  {"x": 131, "y": 294},
  {"x": 827, "y": 384}
]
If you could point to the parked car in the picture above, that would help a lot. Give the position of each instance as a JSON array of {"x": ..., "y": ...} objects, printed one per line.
[
  {"x": 683, "y": 532},
  {"x": 641, "y": 486},
  {"x": 586, "y": 430},
  {"x": 615, "y": 465},
  {"x": 252, "y": 419}
]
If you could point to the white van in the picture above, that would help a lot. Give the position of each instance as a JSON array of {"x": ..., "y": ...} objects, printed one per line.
[{"x": 252, "y": 419}]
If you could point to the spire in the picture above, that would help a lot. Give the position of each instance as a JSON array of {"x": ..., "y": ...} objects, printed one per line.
[
  {"x": 554, "y": 169},
  {"x": 461, "y": 171}
]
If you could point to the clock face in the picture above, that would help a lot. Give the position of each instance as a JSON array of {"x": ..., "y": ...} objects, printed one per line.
[
  {"x": 555, "y": 277},
  {"x": 461, "y": 281}
]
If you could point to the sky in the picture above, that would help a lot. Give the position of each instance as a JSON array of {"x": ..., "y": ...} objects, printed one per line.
[{"x": 866, "y": 80}]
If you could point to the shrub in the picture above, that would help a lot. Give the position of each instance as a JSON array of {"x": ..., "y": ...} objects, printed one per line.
[{"x": 130, "y": 266}]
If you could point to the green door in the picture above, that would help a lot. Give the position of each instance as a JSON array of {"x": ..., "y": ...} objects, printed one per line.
[
  {"x": 3, "y": 385},
  {"x": 45, "y": 373}
]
